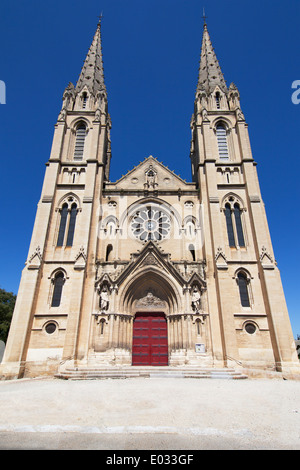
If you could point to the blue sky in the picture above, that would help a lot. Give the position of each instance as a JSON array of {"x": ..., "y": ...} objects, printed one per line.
[{"x": 151, "y": 52}]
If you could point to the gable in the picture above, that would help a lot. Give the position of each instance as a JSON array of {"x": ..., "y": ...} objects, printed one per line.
[
  {"x": 150, "y": 175},
  {"x": 152, "y": 257}
]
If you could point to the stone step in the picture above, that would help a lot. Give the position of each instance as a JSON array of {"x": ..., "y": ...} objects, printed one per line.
[
  {"x": 90, "y": 373},
  {"x": 150, "y": 368}
]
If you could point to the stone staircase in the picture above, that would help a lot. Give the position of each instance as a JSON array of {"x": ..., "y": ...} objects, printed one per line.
[{"x": 124, "y": 372}]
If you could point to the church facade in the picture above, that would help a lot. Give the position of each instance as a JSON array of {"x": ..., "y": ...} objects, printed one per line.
[{"x": 150, "y": 270}]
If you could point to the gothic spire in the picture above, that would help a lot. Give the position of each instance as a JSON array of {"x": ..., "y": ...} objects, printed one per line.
[
  {"x": 92, "y": 74},
  {"x": 210, "y": 73}
]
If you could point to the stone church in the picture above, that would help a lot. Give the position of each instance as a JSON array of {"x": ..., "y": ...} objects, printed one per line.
[{"x": 150, "y": 270}]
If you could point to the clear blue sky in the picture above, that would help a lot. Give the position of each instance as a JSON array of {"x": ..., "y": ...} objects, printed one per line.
[{"x": 151, "y": 55}]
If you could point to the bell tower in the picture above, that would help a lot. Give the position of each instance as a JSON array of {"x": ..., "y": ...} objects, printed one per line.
[
  {"x": 83, "y": 126},
  {"x": 64, "y": 238},
  {"x": 249, "y": 318}
]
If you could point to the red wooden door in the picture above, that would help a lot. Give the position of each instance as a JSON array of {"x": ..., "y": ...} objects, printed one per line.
[{"x": 150, "y": 340}]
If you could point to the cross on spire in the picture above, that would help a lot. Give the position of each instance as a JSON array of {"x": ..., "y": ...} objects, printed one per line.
[
  {"x": 204, "y": 17},
  {"x": 100, "y": 18}
]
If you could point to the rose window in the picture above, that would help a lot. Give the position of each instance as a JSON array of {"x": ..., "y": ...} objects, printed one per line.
[{"x": 150, "y": 223}]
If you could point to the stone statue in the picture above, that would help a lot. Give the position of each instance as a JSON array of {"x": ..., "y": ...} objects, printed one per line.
[
  {"x": 104, "y": 299},
  {"x": 196, "y": 300}
]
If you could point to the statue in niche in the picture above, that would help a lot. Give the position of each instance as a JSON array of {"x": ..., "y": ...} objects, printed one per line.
[
  {"x": 151, "y": 176},
  {"x": 104, "y": 299},
  {"x": 196, "y": 300}
]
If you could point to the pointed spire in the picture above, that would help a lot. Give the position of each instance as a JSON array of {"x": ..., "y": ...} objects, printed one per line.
[
  {"x": 92, "y": 74},
  {"x": 210, "y": 73}
]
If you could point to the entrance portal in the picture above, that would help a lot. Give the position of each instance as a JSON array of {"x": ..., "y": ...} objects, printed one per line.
[{"x": 150, "y": 340}]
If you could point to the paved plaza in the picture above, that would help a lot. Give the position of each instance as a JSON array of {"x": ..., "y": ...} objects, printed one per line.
[{"x": 146, "y": 414}]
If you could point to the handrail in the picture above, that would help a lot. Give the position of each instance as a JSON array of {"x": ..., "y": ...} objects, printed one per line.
[{"x": 233, "y": 359}]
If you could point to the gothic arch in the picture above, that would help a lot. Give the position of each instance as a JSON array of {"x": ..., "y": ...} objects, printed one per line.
[
  {"x": 56, "y": 271},
  {"x": 245, "y": 290},
  {"x": 191, "y": 219},
  {"x": 67, "y": 199},
  {"x": 84, "y": 98},
  {"x": 150, "y": 279},
  {"x": 223, "y": 121},
  {"x": 78, "y": 141},
  {"x": 232, "y": 198},
  {"x": 243, "y": 271},
  {"x": 109, "y": 227},
  {"x": 233, "y": 208},
  {"x": 57, "y": 281},
  {"x": 80, "y": 120},
  {"x": 110, "y": 219}
]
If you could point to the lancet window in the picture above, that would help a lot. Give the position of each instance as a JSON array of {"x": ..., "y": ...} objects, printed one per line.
[
  {"x": 68, "y": 215},
  {"x": 243, "y": 282},
  {"x": 234, "y": 223},
  {"x": 58, "y": 281},
  {"x": 84, "y": 100}
]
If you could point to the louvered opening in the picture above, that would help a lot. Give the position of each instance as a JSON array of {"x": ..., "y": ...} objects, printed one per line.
[
  {"x": 84, "y": 100},
  {"x": 79, "y": 144},
  {"x": 222, "y": 142}
]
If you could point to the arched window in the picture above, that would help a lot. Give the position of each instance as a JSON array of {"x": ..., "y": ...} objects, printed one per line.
[
  {"x": 109, "y": 250},
  {"x": 190, "y": 229},
  {"x": 229, "y": 225},
  {"x": 68, "y": 216},
  {"x": 222, "y": 141},
  {"x": 79, "y": 142},
  {"x": 238, "y": 224},
  {"x": 102, "y": 323},
  {"x": 243, "y": 288},
  {"x": 218, "y": 100},
  {"x": 234, "y": 223},
  {"x": 84, "y": 100},
  {"x": 71, "y": 230},
  {"x": 192, "y": 251},
  {"x": 62, "y": 226},
  {"x": 198, "y": 323},
  {"x": 57, "y": 290}
]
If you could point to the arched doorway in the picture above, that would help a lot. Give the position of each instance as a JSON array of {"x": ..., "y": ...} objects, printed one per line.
[
  {"x": 150, "y": 296},
  {"x": 150, "y": 339}
]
